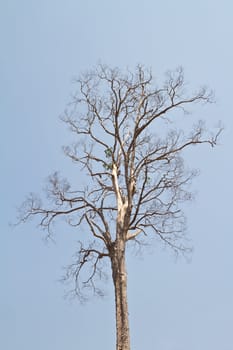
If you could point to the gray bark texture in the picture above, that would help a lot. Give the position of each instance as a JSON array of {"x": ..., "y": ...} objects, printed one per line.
[{"x": 119, "y": 275}]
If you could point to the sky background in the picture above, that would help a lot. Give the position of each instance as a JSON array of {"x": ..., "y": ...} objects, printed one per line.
[{"x": 173, "y": 304}]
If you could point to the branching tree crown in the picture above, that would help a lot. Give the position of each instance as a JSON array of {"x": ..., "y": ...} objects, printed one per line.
[{"x": 131, "y": 153}]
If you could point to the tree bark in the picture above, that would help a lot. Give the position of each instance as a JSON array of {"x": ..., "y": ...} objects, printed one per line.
[{"x": 119, "y": 275}]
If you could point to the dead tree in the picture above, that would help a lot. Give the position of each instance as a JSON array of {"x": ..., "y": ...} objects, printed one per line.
[{"x": 131, "y": 153}]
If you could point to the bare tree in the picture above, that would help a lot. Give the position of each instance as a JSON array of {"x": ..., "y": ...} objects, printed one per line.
[{"x": 131, "y": 151}]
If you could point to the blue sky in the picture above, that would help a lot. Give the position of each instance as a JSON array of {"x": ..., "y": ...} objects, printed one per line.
[{"x": 174, "y": 305}]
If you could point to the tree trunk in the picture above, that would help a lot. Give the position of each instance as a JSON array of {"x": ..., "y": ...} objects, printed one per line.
[{"x": 120, "y": 285}]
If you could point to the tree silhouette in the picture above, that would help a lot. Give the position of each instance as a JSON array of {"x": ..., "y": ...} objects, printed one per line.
[{"x": 131, "y": 152}]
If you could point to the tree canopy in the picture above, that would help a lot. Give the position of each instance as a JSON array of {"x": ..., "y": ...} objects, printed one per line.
[{"x": 131, "y": 152}]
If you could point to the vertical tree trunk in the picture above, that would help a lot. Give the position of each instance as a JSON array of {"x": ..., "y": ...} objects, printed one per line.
[{"x": 121, "y": 304}]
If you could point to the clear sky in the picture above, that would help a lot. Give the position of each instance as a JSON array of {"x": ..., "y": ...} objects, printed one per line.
[{"x": 174, "y": 305}]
